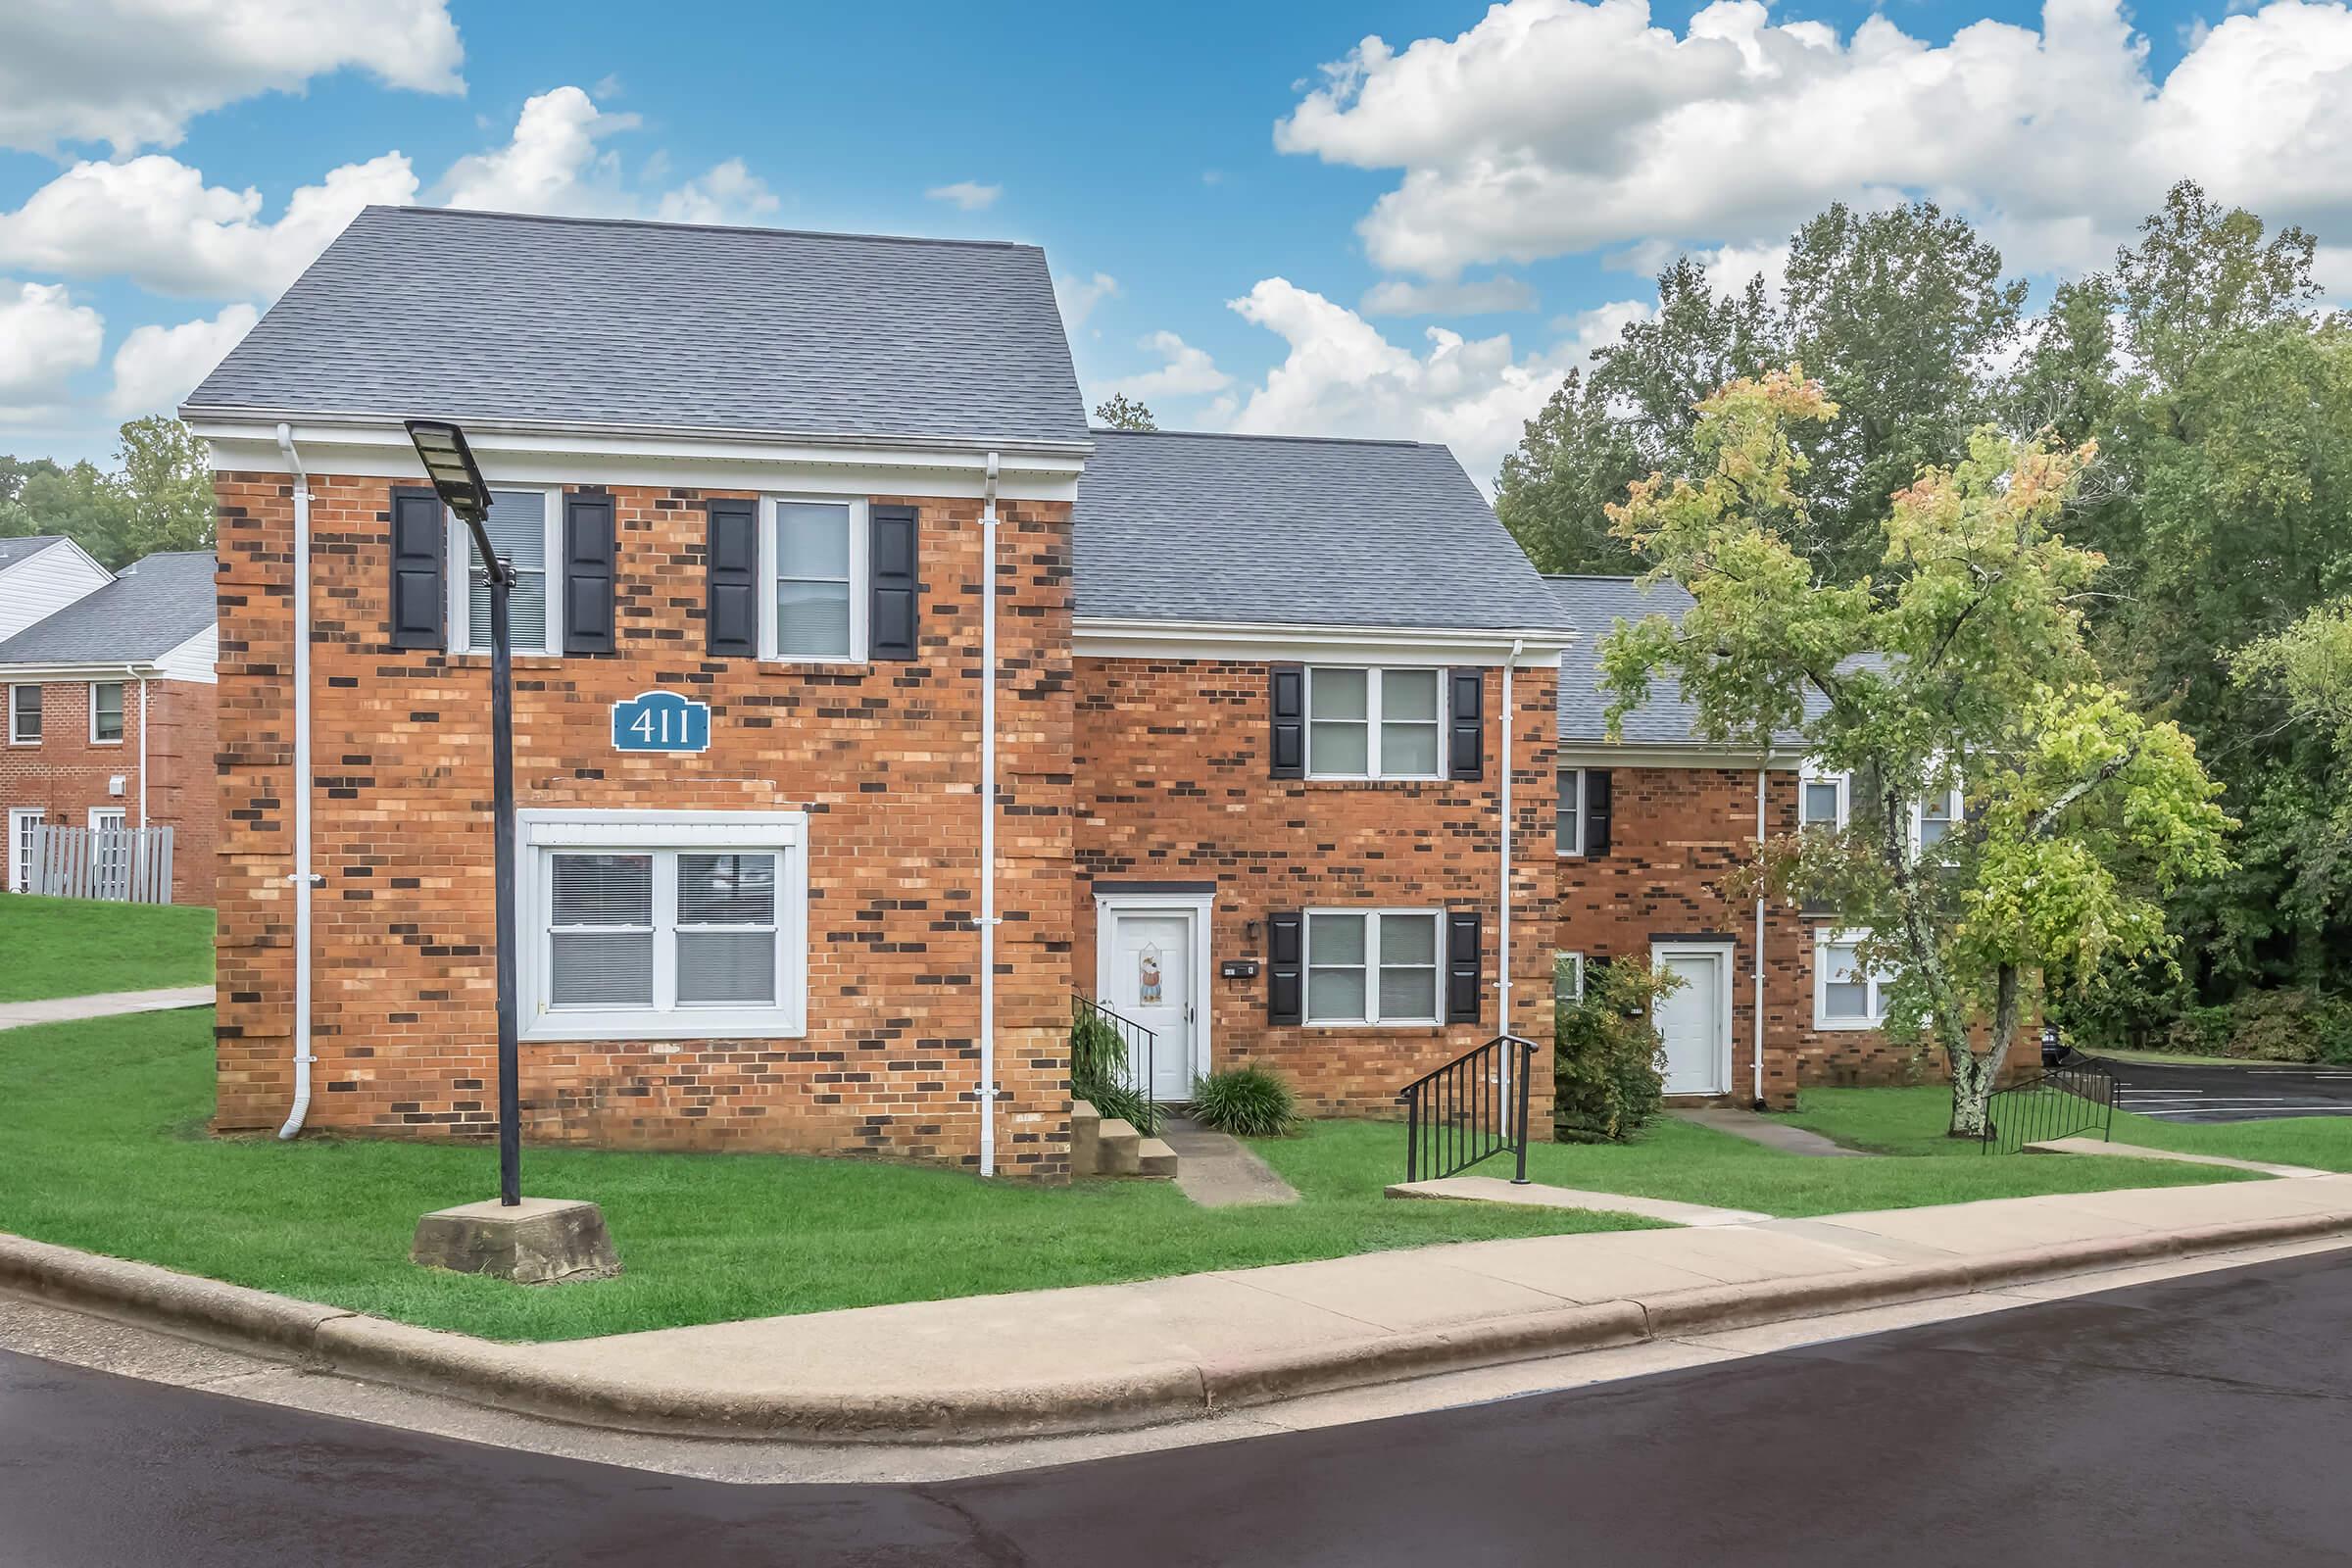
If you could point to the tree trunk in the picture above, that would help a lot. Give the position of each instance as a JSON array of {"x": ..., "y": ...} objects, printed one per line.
[{"x": 1971, "y": 1089}]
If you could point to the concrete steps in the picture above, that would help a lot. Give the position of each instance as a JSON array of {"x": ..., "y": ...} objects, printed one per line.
[{"x": 1111, "y": 1146}]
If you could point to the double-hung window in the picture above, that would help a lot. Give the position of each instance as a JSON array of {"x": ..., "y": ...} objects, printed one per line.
[
  {"x": 24, "y": 715},
  {"x": 524, "y": 528},
  {"x": 106, "y": 712},
  {"x": 1933, "y": 820},
  {"x": 663, "y": 924},
  {"x": 813, "y": 557},
  {"x": 1568, "y": 977},
  {"x": 1846, "y": 992},
  {"x": 1373, "y": 723},
  {"x": 1568, "y": 830},
  {"x": 1372, "y": 966},
  {"x": 1824, "y": 798}
]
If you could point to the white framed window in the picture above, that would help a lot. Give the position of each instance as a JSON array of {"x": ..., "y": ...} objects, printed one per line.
[
  {"x": 22, "y": 820},
  {"x": 1933, "y": 820},
  {"x": 1568, "y": 829},
  {"x": 24, "y": 715},
  {"x": 106, "y": 712},
  {"x": 525, "y": 526},
  {"x": 652, "y": 925},
  {"x": 1373, "y": 723},
  {"x": 1374, "y": 966},
  {"x": 1847, "y": 994},
  {"x": 1824, "y": 798},
  {"x": 110, "y": 861},
  {"x": 813, "y": 576},
  {"x": 1567, "y": 977}
]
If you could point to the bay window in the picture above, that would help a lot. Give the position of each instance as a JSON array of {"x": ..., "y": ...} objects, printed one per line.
[{"x": 1373, "y": 723}]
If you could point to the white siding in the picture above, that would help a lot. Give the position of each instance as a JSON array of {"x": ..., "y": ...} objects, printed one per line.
[
  {"x": 44, "y": 583},
  {"x": 194, "y": 658}
]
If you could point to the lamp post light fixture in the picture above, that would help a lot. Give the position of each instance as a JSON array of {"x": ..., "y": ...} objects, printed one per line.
[{"x": 543, "y": 1240}]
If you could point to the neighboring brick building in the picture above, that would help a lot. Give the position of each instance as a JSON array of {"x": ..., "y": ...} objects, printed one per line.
[
  {"x": 1649, "y": 827},
  {"x": 1248, "y": 708},
  {"x": 110, "y": 707}
]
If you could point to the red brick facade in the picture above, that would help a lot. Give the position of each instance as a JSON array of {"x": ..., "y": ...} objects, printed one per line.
[
  {"x": 68, "y": 775},
  {"x": 881, "y": 757},
  {"x": 1174, "y": 785}
]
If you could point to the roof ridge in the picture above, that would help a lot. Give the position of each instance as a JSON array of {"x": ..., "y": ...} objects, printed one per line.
[
  {"x": 1254, "y": 435},
  {"x": 417, "y": 211}
]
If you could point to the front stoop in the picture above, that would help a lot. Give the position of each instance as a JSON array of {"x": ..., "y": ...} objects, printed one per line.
[{"x": 1111, "y": 1146}]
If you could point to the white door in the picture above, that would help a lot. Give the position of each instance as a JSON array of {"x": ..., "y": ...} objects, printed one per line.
[
  {"x": 22, "y": 820},
  {"x": 109, "y": 857},
  {"x": 1150, "y": 982},
  {"x": 1695, "y": 1020}
]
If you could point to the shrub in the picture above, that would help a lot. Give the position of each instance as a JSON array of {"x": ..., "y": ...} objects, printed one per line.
[
  {"x": 1607, "y": 1081},
  {"x": 2288, "y": 1024},
  {"x": 1249, "y": 1102},
  {"x": 1099, "y": 1070}
]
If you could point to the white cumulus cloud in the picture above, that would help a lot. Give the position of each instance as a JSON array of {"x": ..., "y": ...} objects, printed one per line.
[
  {"x": 45, "y": 338},
  {"x": 1555, "y": 127},
  {"x": 966, "y": 195},
  {"x": 132, "y": 73},
  {"x": 1078, "y": 297},
  {"x": 158, "y": 366},
  {"x": 728, "y": 193},
  {"x": 1184, "y": 372},
  {"x": 553, "y": 163}
]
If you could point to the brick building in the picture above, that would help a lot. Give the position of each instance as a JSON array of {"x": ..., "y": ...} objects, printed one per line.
[
  {"x": 110, "y": 702},
  {"x": 1650, "y": 826},
  {"x": 822, "y": 819}
]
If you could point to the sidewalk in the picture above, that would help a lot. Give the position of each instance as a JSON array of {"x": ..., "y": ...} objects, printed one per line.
[
  {"x": 1102, "y": 1358},
  {"x": 106, "y": 1005}
]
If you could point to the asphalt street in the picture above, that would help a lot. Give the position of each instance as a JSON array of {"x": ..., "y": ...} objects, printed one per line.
[
  {"x": 2255, "y": 1091},
  {"x": 2203, "y": 1419}
]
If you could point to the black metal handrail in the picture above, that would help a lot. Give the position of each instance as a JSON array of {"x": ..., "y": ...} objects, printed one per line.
[
  {"x": 1472, "y": 1108},
  {"x": 2076, "y": 1096},
  {"x": 1133, "y": 1072}
]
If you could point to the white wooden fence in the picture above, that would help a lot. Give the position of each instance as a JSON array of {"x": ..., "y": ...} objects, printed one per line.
[{"x": 129, "y": 864}]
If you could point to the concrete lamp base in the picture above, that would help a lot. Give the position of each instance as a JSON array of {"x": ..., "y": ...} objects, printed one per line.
[{"x": 540, "y": 1241}]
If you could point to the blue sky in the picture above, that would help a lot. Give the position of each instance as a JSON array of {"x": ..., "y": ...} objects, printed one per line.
[{"x": 1299, "y": 231}]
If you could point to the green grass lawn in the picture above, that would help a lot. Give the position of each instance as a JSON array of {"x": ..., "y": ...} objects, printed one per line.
[
  {"x": 77, "y": 947},
  {"x": 1911, "y": 1121},
  {"x": 103, "y": 1147}
]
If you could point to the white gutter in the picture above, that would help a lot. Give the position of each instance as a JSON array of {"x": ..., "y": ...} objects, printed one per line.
[
  {"x": 301, "y": 877},
  {"x": 142, "y": 753},
  {"x": 1757, "y": 1007},
  {"x": 1502, "y": 934},
  {"x": 988, "y": 822}
]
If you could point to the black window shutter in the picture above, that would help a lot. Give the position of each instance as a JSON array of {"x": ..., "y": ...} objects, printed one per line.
[
  {"x": 1597, "y": 811},
  {"x": 1287, "y": 708},
  {"x": 1463, "y": 971},
  {"x": 1465, "y": 754},
  {"x": 731, "y": 590},
  {"x": 896, "y": 595},
  {"x": 1286, "y": 980},
  {"x": 420, "y": 592},
  {"x": 588, "y": 558}
]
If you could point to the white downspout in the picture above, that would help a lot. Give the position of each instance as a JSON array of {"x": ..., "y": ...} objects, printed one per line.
[
  {"x": 1758, "y": 996},
  {"x": 142, "y": 753},
  {"x": 302, "y": 877},
  {"x": 988, "y": 822},
  {"x": 1503, "y": 923}
]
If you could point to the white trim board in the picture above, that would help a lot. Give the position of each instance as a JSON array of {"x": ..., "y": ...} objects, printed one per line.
[{"x": 1250, "y": 642}]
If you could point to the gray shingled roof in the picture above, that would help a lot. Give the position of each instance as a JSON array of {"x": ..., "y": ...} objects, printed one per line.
[
  {"x": 13, "y": 551},
  {"x": 1297, "y": 531},
  {"x": 488, "y": 315},
  {"x": 1598, "y": 605},
  {"x": 153, "y": 607}
]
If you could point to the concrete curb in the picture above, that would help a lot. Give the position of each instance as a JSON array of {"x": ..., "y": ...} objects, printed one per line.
[{"x": 507, "y": 1377}]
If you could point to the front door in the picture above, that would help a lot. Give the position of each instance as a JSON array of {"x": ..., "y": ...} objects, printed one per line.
[
  {"x": 1150, "y": 982},
  {"x": 22, "y": 820},
  {"x": 1693, "y": 1020}
]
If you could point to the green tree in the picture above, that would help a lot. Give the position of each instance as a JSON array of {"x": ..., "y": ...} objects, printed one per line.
[
  {"x": 1962, "y": 664},
  {"x": 1122, "y": 412},
  {"x": 1556, "y": 487},
  {"x": 159, "y": 497}
]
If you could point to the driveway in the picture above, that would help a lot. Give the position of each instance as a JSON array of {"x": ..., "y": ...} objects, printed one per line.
[
  {"x": 2200, "y": 1420},
  {"x": 2254, "y": 1092}
]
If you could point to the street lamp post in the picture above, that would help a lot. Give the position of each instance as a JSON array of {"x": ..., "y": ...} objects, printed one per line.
[{"x": 457, "y": 480}]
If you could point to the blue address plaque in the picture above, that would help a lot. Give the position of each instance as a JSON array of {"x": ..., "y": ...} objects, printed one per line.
[{"x": 661, "y": 721}]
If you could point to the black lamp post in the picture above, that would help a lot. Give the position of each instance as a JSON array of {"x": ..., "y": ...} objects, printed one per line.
[{"x": 449, "y": 463}]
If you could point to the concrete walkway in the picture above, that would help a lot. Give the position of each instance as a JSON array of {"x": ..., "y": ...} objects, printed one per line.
[
  {"x": 1536, "y": 1195},
  {"x": 1759, "y": 1129},
  {"x": 1217, "y": 1170},
  {"x": 106, "y": 1005},
  {"x": 2106, "y": 1150}
]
